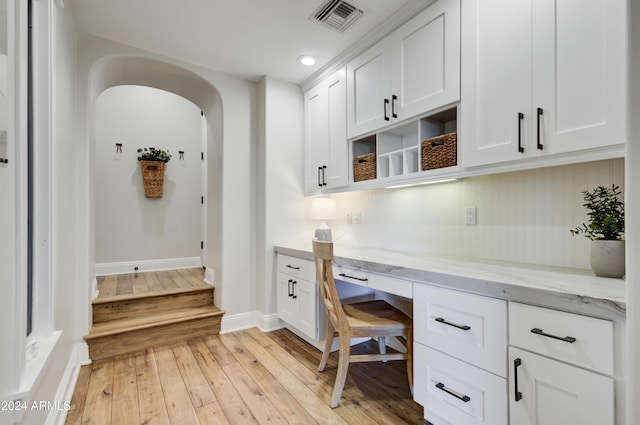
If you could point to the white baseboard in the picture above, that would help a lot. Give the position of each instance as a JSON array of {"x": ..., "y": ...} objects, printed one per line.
[
  {"x": 79, "y": 357},
  {"x": 238, "y": 322},
  {"x": 268, "y": 322},
  {"x": 104, "y": 269},
  {"x": 209, "y": 276}
]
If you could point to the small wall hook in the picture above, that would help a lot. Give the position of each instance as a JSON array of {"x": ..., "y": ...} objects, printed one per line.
[
  {"x": 181, "y": 154},
  {"x": 118, "y": 147}
]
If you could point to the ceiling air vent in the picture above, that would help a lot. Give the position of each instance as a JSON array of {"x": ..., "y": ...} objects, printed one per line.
[{"x": 336, "y": 14}]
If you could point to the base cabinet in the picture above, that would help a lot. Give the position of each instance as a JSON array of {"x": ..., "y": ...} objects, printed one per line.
[
  {"x": 298, "y": 295},
  {"x": 543, "y": 391}
]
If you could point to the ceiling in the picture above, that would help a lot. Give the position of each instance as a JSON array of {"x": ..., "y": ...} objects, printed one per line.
[{"x": 248, "y": 38}]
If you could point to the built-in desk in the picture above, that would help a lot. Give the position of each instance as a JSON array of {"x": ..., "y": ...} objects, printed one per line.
[
  {"x": 478, "y": 323},
  {"x": 573, "y": 290}
]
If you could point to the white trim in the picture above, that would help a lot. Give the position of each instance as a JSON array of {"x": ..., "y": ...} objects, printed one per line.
[
  {"x": 238, "y": 322},
  {"x": 268, "y": 322},
  {"x": 79, "y": 357},
  {"x": 105, "y": 269},
  {"x": 209, "y": 276}
]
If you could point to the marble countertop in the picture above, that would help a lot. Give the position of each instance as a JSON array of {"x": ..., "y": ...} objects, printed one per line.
[{"x": 573, "y": 290}]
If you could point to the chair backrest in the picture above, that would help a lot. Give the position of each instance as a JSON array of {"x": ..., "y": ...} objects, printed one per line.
[{"x": 323, "y": 253}]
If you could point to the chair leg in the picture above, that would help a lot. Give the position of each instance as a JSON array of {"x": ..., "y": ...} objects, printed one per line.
[
  {"x": 343, "y": 366},
  {"x": 382, "y": 346},
  {"x": 410, "y": 358},
  {"x": 327, "y": 346}
]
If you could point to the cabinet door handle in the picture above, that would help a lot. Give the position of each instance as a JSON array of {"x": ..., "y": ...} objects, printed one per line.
[
  {"x": 457, "y": 395},
  {"x": 386, "y": 109},
  {"x": 324, "y": 175},
  {"x": 516, "y": 363},
  {"x": 394, "y": 100},
  {"x": 292, "y": 267},
  {"x": 520, "y": 118},
  {"x": 293, "y": 291},
  {"x": 353, "y": 277},
  {"x": 289, "y": 290},
  {"x": 568, "y": 339},
  {"x": 442, "y": 320},
  {"x": 540, "y": 112},
  {"x": 319, "y": 178}
]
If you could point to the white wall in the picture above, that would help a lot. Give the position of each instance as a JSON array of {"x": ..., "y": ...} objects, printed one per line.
[
  {"x": 130, "y": 227},
  {"x": 231, "y": 114},
  {"x": 522, "y": 216},
  {"x": 281, "y": 165}
]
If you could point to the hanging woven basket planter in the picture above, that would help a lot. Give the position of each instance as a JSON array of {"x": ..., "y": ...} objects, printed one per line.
[
  {"x": 152, "y": 164},
  {"x": 153, "y": 178}
]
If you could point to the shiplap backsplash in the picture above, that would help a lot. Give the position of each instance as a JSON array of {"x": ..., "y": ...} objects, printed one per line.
[{"x": 521, "y": 216}]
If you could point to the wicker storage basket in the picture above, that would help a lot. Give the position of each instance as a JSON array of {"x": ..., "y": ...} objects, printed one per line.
[
  {"x": 364, "y": 167},
  {"x": 153, "y": 178},
  {"x": 439, "y": 151}
]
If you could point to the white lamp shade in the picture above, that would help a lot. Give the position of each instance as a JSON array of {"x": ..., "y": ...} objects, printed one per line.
[{"x": 323, "y": 209}]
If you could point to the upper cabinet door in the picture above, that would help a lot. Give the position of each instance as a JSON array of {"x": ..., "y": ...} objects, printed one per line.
[
  {"x": 579, "y": 73},
  {"x": 541, "y": 77},
  {"x": 369, "y": 90},
  {"x": 426, "y": 61},
  {"x": 496, "y": 80},
  {"x": 326, "y": 154},
  {"x": 316, "y": 110}
]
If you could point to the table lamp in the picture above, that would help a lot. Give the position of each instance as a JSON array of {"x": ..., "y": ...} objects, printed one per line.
[{"x": 323, "y": 209}]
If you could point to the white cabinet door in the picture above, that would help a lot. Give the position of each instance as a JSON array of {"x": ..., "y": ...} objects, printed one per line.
[
  {"x": 369, "y": 90},
  {"x": 304, "y": 293},
  {"x": 426, "y": 61},
  {"x": 337, "y": 173},
  {"x": 578, "y": 50},
  {"x": 547, "y": 392},
  {"x": 326, "y": 154},
  {"x": 286, "y": 304},
  {"x": 541, "y": 77},
  {"x": 496, "y": 80},
  {"x": 316, "y": 108}
]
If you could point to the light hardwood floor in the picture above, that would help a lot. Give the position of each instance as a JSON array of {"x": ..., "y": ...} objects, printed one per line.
[
  {"x": 246, "y": 377},
  {"x": 150, "y": 282}
]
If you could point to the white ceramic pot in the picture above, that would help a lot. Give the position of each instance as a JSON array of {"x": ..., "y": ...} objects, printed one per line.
[{"x": 607, "y": 258}]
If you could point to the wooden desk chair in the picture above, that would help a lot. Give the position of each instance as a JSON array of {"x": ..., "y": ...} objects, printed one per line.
[{"x": 364, "y": 319}]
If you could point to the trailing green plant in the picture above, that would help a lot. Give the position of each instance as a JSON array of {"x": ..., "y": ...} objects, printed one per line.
[
  {"x": 606, "y": 214},
  {"x": 153, "y": 154}
]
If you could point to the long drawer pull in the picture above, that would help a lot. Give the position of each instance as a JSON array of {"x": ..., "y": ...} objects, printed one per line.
[
  {"x": 516, "y": 363},
  {"x": 294, "y": 294},
  {"x": 457, "y": 395},
  {"x": 353, "y": 277},
  {"x": 292, "y": 267},
  {"x": 568, "y": 339},
  {"x": 463, "y": 327},
  {"x": 289, "y": 286}
]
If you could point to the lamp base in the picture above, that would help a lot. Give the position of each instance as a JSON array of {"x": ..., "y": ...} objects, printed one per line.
[{"x": 323, "y": 233}]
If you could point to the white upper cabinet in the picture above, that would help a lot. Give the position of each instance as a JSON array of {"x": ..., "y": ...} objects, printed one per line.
[
  {"x": 326, "y": 154},
  {"x": 414, "y": 70},
  {"x": 541, "y": 77}
]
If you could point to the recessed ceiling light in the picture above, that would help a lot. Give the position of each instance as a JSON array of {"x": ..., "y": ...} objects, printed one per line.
[{"x": 307, "y": 60}]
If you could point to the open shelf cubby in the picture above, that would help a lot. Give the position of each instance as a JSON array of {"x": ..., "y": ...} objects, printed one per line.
[{"x": 398, "y": 150}]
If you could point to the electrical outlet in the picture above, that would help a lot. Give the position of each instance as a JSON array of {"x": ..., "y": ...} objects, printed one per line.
[{"x": 470, "y": 215}]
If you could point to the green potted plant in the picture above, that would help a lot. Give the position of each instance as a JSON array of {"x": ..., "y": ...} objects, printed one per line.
[
  {"x": 152, "y": 164},
  {"x": 605, "y": 229}
]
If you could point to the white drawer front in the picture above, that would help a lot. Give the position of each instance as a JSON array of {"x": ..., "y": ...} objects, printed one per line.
[
  {"x": 456, "y": 391},
  {"x": 580, "y": 340},
  {"x": 392, "y": 285},
  {"x": 469, "y": 327},
  {"x": 297, "y": 267}
]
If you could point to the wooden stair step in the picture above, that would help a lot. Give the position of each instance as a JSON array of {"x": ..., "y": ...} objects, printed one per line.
[
  {"x": 131, "y": 306},
  {"x": 121, "y": 336}
]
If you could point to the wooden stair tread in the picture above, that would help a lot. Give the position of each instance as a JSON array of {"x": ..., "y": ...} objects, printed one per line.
[
  {"x": 150, "y": 295},
  {"x": 115, "y": 327}
]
